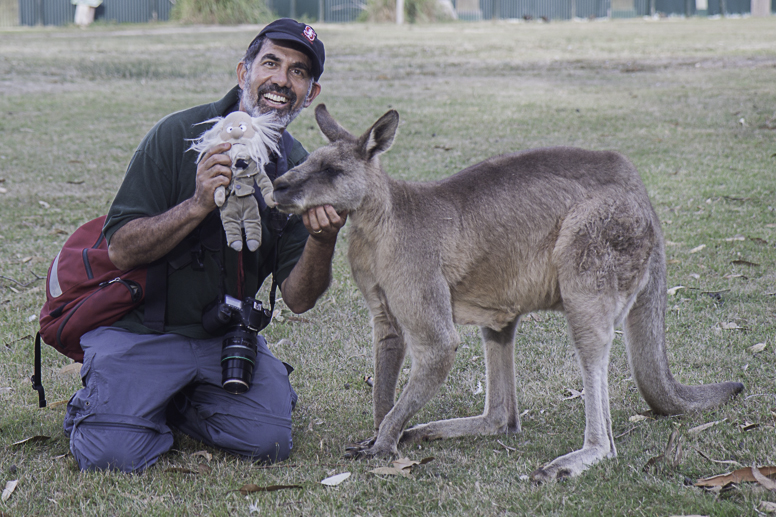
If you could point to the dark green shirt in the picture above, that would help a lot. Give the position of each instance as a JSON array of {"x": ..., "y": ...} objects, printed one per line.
[{"x": 161, "y": 175}]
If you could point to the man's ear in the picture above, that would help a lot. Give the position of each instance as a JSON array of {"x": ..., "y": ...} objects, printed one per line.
[
  {"x": 314, "y": 91},
  {"x": 241, "y": 73}
]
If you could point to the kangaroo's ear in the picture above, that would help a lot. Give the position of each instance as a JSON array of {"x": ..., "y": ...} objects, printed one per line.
[
  {"x": 329, "y": 127},
  {"x": 379, "y": 137}
]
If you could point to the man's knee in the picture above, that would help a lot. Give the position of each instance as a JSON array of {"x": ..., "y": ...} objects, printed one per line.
[
  {"x": 114, "y": 446},
  {"x": 265, "y": 442}
]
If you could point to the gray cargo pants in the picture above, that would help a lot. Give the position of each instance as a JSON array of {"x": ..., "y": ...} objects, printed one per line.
[{"x": 137, "y": 386}]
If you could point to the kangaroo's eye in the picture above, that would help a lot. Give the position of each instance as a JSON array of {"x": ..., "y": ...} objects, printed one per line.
[{"x": 330, "y": 172}]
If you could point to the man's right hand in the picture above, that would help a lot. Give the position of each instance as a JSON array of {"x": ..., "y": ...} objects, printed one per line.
[
  {"x": 213, "y": 171},
  {"x": 146, "y": 239}
]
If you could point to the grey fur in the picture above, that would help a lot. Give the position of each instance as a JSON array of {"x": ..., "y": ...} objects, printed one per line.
[{"x": 545, "y": 229}]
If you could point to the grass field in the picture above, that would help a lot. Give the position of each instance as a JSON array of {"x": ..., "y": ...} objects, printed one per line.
[{"x": 691, "y": 102}]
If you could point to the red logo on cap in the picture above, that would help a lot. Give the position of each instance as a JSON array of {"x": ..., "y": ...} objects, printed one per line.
[{"x": 309, "y": 33}]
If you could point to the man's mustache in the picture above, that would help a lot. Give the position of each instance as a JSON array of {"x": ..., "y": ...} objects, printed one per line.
[{"x": 274, "y": 88}]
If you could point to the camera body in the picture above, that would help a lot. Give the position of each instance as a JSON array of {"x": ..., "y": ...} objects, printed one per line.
[{"x": 243, "y": 320}]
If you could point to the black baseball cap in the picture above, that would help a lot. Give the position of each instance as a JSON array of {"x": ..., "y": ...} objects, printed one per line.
[{"x": 286, "y": 29}]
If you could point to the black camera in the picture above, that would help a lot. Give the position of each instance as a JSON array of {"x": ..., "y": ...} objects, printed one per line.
[{"x": 243, "y": 320}]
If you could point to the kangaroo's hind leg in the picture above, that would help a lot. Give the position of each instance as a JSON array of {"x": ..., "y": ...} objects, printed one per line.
[{"x": 500, "y": 415}]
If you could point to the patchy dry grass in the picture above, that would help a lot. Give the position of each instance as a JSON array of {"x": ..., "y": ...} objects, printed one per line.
[{"x": 692, "y": 102}]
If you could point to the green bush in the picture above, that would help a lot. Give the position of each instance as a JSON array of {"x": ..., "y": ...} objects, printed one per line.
[
  {"x": 414, "y": 11},
  {"x": 225, "y": 12}
]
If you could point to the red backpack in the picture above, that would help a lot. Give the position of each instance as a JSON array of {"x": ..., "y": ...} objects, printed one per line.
[{"x": 84, "y": 290}]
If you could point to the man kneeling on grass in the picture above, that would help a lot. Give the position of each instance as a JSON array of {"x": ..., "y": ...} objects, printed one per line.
[{"x": 141, "y": 380}]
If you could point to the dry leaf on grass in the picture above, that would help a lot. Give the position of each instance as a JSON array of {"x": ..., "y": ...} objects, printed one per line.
[
  {"x": 32, "y": 439},
  {"x": 9, "y": 488},
  {"x": 763, "y": 480},
  {"x": 673, "y": 290},
  {"x": 575, "y": 394},
  {"x": 336, "y": 479},
  {"x": 703, "y": 427},
  {"x": 730, "y": 325},
  {"x": 736, "y": 238},
  {"x": 250, "y": 488},
  {"x": 759, "y": 347},
  {"x": 673, "y": 454},
  {"x": 767, "y": 507},
  {"x": 737, "y": 476},
  {"x": 401, "y": 467},
  {"x": 744, "y": 263},
  {"x": 637, "y": 418},
  {"x": 697, "y": 248}
]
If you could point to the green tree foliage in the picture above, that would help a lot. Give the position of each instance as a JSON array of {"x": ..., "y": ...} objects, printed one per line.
[{"x": 224, "y": 12}]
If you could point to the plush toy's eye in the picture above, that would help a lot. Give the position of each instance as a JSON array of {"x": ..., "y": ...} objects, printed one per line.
[
  {"x": 229, "y": 129},
  {"x": 243, "y": 126}
]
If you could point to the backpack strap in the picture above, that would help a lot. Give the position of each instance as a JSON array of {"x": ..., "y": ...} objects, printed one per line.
[{"x": 37, "y": 378}]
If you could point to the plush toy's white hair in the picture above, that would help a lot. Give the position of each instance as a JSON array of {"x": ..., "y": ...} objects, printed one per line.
[{"x": 264, "y": 142}]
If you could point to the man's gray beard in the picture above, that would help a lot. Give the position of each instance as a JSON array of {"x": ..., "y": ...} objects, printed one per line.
[{"x": 253, "y": 109}]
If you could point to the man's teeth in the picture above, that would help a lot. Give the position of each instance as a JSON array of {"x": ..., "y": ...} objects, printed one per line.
[{"x": 275, "y": 97}]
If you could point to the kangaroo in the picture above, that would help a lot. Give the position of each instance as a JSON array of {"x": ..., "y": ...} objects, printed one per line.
[{"x": 558, "y": 228}]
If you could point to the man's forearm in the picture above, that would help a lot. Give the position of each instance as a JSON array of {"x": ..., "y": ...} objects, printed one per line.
[
  {"x": 142, "y": 241},
  {"x": 310, "y": 277}
]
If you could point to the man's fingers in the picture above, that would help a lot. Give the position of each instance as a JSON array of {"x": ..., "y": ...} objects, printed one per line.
[{"x": 323, "y": 220}]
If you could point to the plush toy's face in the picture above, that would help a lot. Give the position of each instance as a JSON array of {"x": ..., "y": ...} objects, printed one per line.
[{"x": 237, "y": 125}]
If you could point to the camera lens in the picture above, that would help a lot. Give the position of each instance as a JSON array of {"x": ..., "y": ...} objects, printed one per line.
[{"x": 238, "y": 358}]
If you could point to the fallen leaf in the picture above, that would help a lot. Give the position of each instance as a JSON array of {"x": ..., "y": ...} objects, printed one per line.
[
  {"x": 32, "y": 439},
  {"x": 250, "y": 488},
  {"x": 697, "y": 248},
  {"x": 204, "y": 469},
  {"x": 637, "y": 418},
  {"x": 731, "y": 276},
  {"x": 673, "y": 290},
  {"x": 3, "y": 190},
  {"x": 768, "y": 506},
  {"x": 763, "y": 480},
  {"x": 65, "y": 455},
  {"x": 336, "y": 479},
  {"x": 7, "y": 389},
  {"x": 44, "y": 204},
  {"x": 701, "y": 428},
  {"x": 478, "y": 389},
  {"x": 9, "y": 488},
  {"x": 575, "y": 394},
  {"x": 737, "y": 476},
  {"x": 723, "y": 462},
  {"x": 736, "y": 238},
  {"x": 203, "y": 454},
  {"x": 748, "y": 426},
  {"x": 744, "y": 263},
  {"x": 759, "y": 347},
  {"x": 729, "y": 325},
  {"x": 70, "y": 369},
  {"x": 401, "y": 467},
  {"x": 672, "y": 454}
]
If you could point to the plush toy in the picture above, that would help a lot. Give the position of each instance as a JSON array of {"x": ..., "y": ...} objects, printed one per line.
[{"x": 252, "y": 139}]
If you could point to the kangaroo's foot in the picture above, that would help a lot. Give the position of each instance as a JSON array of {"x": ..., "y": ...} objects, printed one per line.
[
  {"x": 366, "y": 449},
  {"x": 485, "y": 425},
  {"x": 571, "y": 464}
]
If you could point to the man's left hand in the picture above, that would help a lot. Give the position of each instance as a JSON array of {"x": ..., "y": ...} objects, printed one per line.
[{"x": 324, "y": 223}]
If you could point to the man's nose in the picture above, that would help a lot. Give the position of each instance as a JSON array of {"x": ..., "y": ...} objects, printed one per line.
[{"x": 280, "y": 76}]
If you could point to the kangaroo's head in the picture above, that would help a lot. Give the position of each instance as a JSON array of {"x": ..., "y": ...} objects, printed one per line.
[{"x": 340, "y": 174}]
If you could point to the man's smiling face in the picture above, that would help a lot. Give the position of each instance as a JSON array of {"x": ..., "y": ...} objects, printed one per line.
[{"x": 278, "y": 81}]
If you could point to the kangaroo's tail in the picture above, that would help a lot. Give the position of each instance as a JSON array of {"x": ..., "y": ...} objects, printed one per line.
[{"x": 645, "y": 337}]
